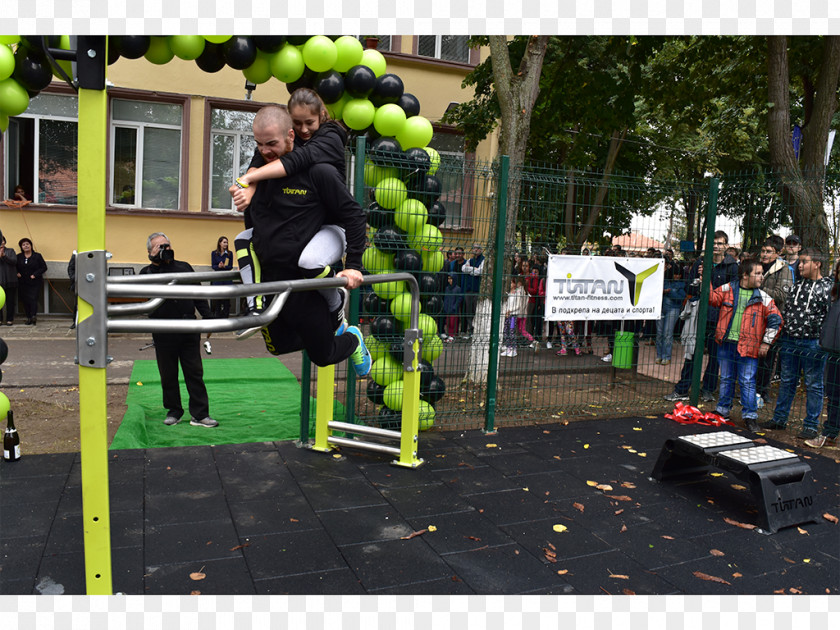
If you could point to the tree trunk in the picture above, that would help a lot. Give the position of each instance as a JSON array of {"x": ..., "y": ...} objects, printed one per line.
[{"x": 595, "y": 209}]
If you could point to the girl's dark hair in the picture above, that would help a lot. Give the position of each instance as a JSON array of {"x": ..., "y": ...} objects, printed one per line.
[
  {"x": 309, "y": 98},
  {"x": 219, "y": 243}
]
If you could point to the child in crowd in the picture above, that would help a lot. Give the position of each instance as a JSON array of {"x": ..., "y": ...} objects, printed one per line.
[
  {"x": 452, "y": 299},
  {"x": 516, "y": 312}
]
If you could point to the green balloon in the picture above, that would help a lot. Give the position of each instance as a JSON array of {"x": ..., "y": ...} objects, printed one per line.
[
  {"x": 432, "y": 348},
  {"x": 434, "y": 156},
  {"x": 376, "y": 348},
  {"x": 374, "y": 60},
  {"x": 2, "y": 297},
  {"x": 428, "y": 325},
  {"x": 287, "y": 64},
  {"x": 432, "y": 261},
  {"x": 14, "y": 39},
  {"x": 259, "y": 71},
  {"x": 400, "y": 307},
  {"x": 159, "y": 52},
  {"x": 393, "y": 395},
  {"x": 416, "y": 132},
  {"x": 4, "y": 122},
  {"x": 5, "y": 405},
  {"x": 7, "y": 62},
  {"x": 358, "y": 113},
  {"x": 428, "y": 239},
  {"x": 336, "y": 110},
  {"x": 411, "y": 215},
  {"x": 375, "y": 173},
  {"x": 349, "y": 53},
  {"x": 319, "y": 53},
  {"x": 187, "y": 47},
  {"x": 376, "y": 261},
  {"x": 426, "y": 416},
  {"x": 390, "y": 193},
  {"x": 389, "y": 290},
  {"x": 217, "y": 39},
  {"x": 66, "y": 65},
  {"x": 386, "y": 370},
  {"x": 389, "y": 119},
  {"x": 13, "y": 97}
]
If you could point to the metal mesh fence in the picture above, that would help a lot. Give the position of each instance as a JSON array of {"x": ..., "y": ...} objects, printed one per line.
[{"x": 545, "y": 370}]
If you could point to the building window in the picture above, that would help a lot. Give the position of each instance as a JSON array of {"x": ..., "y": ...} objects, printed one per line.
[
  {"x": 452, "y": 173},
  {"x": 146, "y": 154},
  {"x": 383, "y": 45},
  {"x": 232, "y": 146},
  {"x": 445, "y": 47},
  {"x": 42, "y": 150}
]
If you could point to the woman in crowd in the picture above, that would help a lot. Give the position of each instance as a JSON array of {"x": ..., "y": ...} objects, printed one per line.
[
  {"x": 830, "y": 342},
  {"x": 30, "y": 272}
]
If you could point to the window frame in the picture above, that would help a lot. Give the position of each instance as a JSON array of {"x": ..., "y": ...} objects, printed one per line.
[{"x": 472, "y": 53}]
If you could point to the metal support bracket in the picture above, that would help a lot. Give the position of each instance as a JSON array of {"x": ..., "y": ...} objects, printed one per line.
[
  {"x": 411, "y": 335},
  {"x": 92, "y": 331}
]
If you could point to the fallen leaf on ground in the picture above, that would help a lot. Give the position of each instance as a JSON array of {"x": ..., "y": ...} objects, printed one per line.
[
  {"x": 788, "y": 560},
  {"x": 617, "y": 512},
  {"x": 717, "y": 474},
  {"x": 432, "y": 528},
  {"x": 623, "y": 528},
  {"x": 550, "y": 555},
  {"x": 562, "y": 572},
  {"x": 716, "y": 552},
  {"x": 795, "y": 591},
  {"x": 627, "y": 484},
  {"x": 242, "y": 546},
  {"x": 802, "y": 531},
  {"x": 492, "y": 445},
  {"x": 710, "y": 578},
  {"x": 413, "y": 534},
  {"x": 195, "y": 592},
  {"x": 632, "y": 450},
  {"x": 585, "y": 446},
  {"x": 604, "y": 486},
  {"x": 806, "y": 560},
  {"x": 781, "y": 591},
  {"x": 475, "y": 538},
  {"x": 197, "y": 575},
  {"x": 619, "y": 497},
  {"x": 293, "y": 520},
  {"x": 737, "y": 575},
  {"x": 760, "y": 441},
  {"x": 578, "y": 506},
  {"x": 668, "y": 537},
  {"x": 559, "y": 528},
  {"x": 592, "y": 483},
  {"x": 737, "y": 524},
  {"x": 627, "y": 591},
  {"x": 637, "y": 428},
  {"x": 830, "y": 518},
  {"x": 619, "y": 577},
  {"x": 642, "y": 454},
  {"x": 738, "y": 486}
]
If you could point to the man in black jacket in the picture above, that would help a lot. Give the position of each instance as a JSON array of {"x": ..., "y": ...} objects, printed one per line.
[{"x": 174, "y": 348}]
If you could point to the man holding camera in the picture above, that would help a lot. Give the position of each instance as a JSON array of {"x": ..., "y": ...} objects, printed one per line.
[{"x": 174, "y": 348}]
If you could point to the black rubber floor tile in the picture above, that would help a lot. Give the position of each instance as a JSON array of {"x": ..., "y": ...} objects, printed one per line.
[
  {"x": 290, "y": 553},
  {"x": 127, "y": 496},
  {"x": 597, "y": 574},
  {"x": 558, "y": 449},
  {"x": 476, "y": 480},
  {"x": 120, "y": 470},
  {"x": 19, "y": 558},
  {"x": 127, "y": 572},
  {"x": 384, "y": 475},
  {"x": 364, "y": 525},
  {"x": 539, "y": 538},
  {"x": 193, "y": 455},
  {"x": 26, "y": 520},
  {"x": 601, "y": 515},
  {"x": 553, "y": 486},
  {"x": 311, "y": 466},
  {"x": 61, "y": 574},
  {"x": 332, "y": 582},
  {"x": 254, "y": 476},
  {"x": 394, "y": 563},
  {"x": 524, "y": 463},
  {"x": 185, "y": 506},
  {"x": 714, "y": 576},
  {"x": 43, "y": 489},
  {"x": 41, "y": 466},
  {"x": 180, "y": 477},
  {"x": 228, "y": 576},
  {"x": 337, "y": 495},
  {"x": 685, "y": 519},
  {"x": 198, "y": 541},
  {"x": 425, "y": 500},
  {"x": 453, "y": 459},
  {"x": 22, "y": 586},
  {"x": 512, "y": 506},
  {"x": 446, "y": 586},
  {"x": 272, "y": 516},
  {"x": 485, "y": 445},
  {"x": 67, "y": 533},
  {"x": 504, "y": 570},
  {"x": 460, "y": 531},
  {"x": 652, "y": 546},
  {"x": 247, "y": 447}
]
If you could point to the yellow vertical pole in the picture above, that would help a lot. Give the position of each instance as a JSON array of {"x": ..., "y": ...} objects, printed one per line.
[
  {"x": 93, "y": 410},
  {"x": 324, "y": 403},
  {"x": 410, "y": 412}
]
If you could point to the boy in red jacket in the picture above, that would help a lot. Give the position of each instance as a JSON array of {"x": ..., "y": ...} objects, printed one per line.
[{"x": 748, "y": 324}]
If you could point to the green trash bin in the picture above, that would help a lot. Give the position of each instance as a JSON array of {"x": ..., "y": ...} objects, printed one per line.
[{"x": 623, "y": 350}]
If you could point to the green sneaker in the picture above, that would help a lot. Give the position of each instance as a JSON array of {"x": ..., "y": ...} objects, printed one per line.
[{"x": 361, "y": 356}]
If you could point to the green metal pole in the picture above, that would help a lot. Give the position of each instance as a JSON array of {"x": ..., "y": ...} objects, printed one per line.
[
  {"x": 700, "y": 345},
  {"x": 353, "y": 315},
  {"x": 498, "y": 279},
  {"x": 305, "y": 385}
]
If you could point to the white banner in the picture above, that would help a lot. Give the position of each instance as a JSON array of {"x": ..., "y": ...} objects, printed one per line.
[{"x": 592, "y": 288}]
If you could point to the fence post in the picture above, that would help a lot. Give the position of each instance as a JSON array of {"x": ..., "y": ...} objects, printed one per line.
[
  {"x": 305, "y": 384},
  {"x": 498, "y": 279},
  {"x": 702, "y": 315}
]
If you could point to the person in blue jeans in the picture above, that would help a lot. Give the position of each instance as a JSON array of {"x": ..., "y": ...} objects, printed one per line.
[
  {"x": 673, "y": 294},
  {"x": 806, "y": 305},
  {"x": 830, "y": 343}
]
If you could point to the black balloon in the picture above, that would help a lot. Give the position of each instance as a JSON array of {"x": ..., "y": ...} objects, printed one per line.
[
  {"x": 386, "y": 151},
  {"x": 408, "y": 260},
  {"x": 4, "y": 351},
  {"x": 427, "y": 373},
  {"x": 389, "y": 239},
  {"x": 433, "y": 305},
  {"x": 133, "y": 46},
  {"x": 426, "y": 189},
  {"x": 330, "y": 86},
  {"x": 359, "y": 81},
  {"x": 297, "y": 40},
  {"x": 384, "y": 329},
  {"x": 306, "y": 80},
  {"x": 434, "y": 392},
  {"x": 437, "y": 214},
  {"x": 32, "y": 70},
  {"x": 387, "y": 89},
  {"x": 240, "y": 52},
  {"x": 212, "y": 58},
  {"x": 417, "y": 164},
  {"x": 428, "y": 283},
  {"x": 397, "y": 350},
  {"x": 269, "y": 43},
  {"x": 377, "y": 216},
  {"x": 389, "y": 419},
  {"x": 375, "y": 392},
  {"x": 410, "y": 105},
  {"x": 113, "y": 51},
  {"x": 374, "y": 305}
]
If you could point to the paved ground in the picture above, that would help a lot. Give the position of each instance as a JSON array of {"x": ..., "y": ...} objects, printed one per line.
[{"x": 272, "y": 518}]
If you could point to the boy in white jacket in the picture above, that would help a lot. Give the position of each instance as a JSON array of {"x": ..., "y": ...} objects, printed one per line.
[{"x": 516, "y": 309}]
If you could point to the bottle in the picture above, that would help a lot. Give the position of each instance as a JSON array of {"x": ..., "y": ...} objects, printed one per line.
[{"x": 11, "y": 440}]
